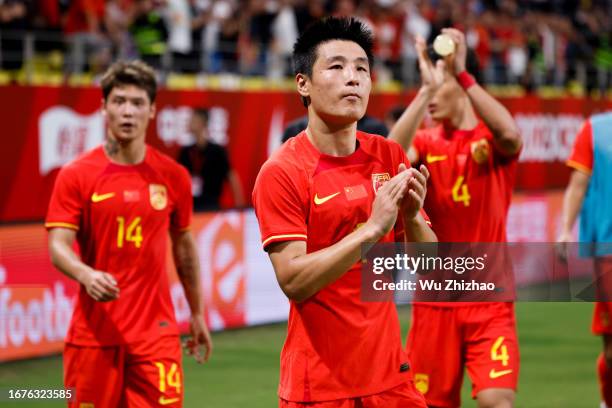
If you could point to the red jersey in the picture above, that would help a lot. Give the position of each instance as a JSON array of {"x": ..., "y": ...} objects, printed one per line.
[
  {"x": 337, "y": 346},
  {"x": 468, "y": 197},
  {"x": 470, "y": 187},
  {"x": 122, "y": 215},
  {"x": 581, "y": 157},
  {"x": 79, "y": 14}
]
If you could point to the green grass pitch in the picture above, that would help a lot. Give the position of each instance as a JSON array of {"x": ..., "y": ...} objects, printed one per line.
[{"x": 557, "y": 364}]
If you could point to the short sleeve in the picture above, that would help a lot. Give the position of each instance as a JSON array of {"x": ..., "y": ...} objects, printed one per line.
[
  {"x": 581, "y": 157},
  {"x": 183, "y": 210},
  {"x": 66, "y": 204},
  {"x": 279, "y": 206}
]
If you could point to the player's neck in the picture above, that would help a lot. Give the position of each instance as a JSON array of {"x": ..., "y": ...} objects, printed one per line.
[
  {"x": 127, "y": 152},
  {"x": 464, "y": 119},
  {"x": 332, "y": 140}
]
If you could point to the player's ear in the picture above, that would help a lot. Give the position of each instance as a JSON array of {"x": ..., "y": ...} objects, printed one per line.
[
  {"x": 303, "y": 85},
  {"x": 152, "y": 111}
]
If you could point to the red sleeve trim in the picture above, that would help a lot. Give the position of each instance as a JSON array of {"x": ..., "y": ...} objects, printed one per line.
[
  {"x": 50, "y": 225},
  {"x": 578, "y": 166},
  {"x": 284, "y": 237}
]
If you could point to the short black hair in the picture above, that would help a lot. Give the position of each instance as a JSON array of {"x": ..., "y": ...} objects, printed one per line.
[{"x": 328, "y": 29}]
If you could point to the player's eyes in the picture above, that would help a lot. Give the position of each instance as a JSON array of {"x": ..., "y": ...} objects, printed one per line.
[
  {"x": 364, "y": 69},
  {"x": 336, "y": 66}
]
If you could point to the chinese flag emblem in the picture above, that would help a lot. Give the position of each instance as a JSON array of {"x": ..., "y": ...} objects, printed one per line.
[
  {"x": 158, "y": 195},
  {"x": 378, "y": 179}
]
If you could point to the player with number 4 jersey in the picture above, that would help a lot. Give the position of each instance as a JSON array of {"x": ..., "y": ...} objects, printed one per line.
[{"x": 472, "y": 156}]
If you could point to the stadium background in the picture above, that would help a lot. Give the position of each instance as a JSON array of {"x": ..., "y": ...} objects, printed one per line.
[{"x": 548, "y": 61}]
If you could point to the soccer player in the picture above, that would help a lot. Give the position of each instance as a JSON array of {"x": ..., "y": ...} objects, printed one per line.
[
  {"x": 472, "y": 155},
  {"x": 587, "y": 193},
  {"x": 119, "y": 201},
  {"x": 322, "y": 195}
]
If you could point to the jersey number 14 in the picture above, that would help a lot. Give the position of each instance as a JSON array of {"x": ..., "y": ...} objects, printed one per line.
[{"x": 132, "y": 233}]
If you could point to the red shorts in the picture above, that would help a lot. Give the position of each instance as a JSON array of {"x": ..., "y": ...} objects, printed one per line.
[
  {"x": 444, "y": 339},
  {"x": 144, "y": 374},
  {"x": 402, "y": 396},
  {"x": 602, "y": 315}
]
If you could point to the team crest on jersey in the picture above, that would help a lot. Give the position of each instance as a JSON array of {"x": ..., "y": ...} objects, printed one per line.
[
  {"x": 378, "y": 179},
  {"x": 480, "y": 150},
  {"x": 158, "y": 196},
  {"x": 421, "y": 382}
]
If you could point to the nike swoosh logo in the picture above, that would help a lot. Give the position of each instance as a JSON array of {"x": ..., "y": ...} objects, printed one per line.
[
  {"x": 319, "y": 201},
  {"x": 164, "y": 401},
  {"x": 496, "y": 374},
  {"x": 96, "y": 198},
  {"x": 432, "y": 159}
]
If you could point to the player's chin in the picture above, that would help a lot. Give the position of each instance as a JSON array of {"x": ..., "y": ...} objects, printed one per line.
[
  {"x": 126, "y": 134},
  {"x": 352, "y": 114},
  {"x": 437, "y": 115}
]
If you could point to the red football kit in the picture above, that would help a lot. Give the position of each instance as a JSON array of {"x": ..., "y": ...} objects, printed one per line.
[
  {"x": 467, "y": 200},
  {"x": 338, "y": 347},
  {"x": 122, "y": 215}
]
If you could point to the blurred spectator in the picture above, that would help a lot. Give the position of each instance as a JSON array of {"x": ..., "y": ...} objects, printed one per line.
[
  {"x": 88, "y": 46},
  {"x": 117, "y": 22},
  {"x": 255, "y": 55},
  {"x": 149, "y": 31},
  {"x": 209, "y": 166},
  {"x": 311, "y": 11},
  {"x": 14, "y": 21},
  {"x": 284, "y": 35},
  {"x": 387, "y": 21},
  {"x": 178, "y": 20},
  {"x": 222, "y": 36},
  {"x": 415, "y": 24},
  {"x": 528, "y": 42},
  {"x": 47, "y": 30},
  {"x": 200, "y": 16}
]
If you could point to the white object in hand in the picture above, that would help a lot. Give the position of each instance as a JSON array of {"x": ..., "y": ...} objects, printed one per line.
[{"x": 443, "y": 45}]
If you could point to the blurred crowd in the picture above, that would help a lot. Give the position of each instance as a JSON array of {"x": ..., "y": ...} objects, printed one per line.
[{"x": 526, "y": 42}]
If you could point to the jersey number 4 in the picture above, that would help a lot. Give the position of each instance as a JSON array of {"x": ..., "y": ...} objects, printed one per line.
[
  {"x": 499, "y": 351},
  {"x": 133, "y": 232},
  {"x": 460, "y": 192}
]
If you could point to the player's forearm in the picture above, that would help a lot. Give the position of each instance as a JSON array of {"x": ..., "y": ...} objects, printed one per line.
[
  {"x": 66, "y": 261},
  {"x": 406, "y": 126},
  {"x": 188, "y": 269},
  {"x": 309, "y": 273},
  {"x": 572, "y": 200},
  {"x": 417, "y": 230},
  {"x": 506, "y": 135}
]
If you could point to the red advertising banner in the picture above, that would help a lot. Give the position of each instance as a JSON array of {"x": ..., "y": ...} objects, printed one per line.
[
  {"x": 239, "y": 285},
  {"x": 36, "y": 300},
  {"x": 45, "y": 127}
]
